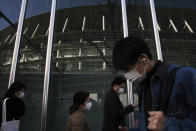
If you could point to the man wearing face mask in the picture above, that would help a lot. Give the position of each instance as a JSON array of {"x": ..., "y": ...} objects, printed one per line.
[
  {"x": 114, "y": 112},
  {"x": 167, "y": 93}
]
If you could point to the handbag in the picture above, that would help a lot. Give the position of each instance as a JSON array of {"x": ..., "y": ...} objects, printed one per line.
[{"x": 8, "y": 125}]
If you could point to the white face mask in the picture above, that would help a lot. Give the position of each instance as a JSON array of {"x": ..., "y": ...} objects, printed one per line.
[
  {"x": 120, "y": 91},
  {"x": 88, "y": 106},
  {"x": 134, "y": 74},
  {"x": 21, "y": 95}
]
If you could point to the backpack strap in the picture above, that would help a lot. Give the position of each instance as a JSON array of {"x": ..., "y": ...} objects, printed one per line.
[
  {"x": 4, "y": 113},
  {"x": 168, "y": 89}
]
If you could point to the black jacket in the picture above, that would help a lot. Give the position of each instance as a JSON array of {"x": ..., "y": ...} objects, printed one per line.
[
  {"x": 15, "y": 109},
  {"x": 114, "y": 113}
]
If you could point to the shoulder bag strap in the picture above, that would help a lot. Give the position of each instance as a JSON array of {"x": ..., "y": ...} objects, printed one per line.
[
  {"x": 169, "y": 86},
  {"x": 4, "y": 113}
]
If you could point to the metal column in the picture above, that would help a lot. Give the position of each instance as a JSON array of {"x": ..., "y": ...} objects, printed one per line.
[
  {"x": 156, "y": 30},
  {"x": 17, "y": 43},
  {"x": 130, "y": 101},
  {"x": 124, "y": 17},
  {"x": 129, "y": 84},
  {"x": 47, "y": 68}
]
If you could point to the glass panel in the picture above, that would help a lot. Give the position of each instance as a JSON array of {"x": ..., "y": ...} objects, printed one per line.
[
  {"x": 85, "y": 32},
  {"x": 140, "y": 25},
  {"x": 9, "y": 15},
  {"x": 178, "y": 38},
  {"x": 31, "y": 61}
]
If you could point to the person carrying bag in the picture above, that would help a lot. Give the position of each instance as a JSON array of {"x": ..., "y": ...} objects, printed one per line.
[
  {"x": 12, "y": 107},
  {"x": 8, "y": 125}
]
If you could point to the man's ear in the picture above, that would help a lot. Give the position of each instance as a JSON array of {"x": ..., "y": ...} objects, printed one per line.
[{"x": 143, "y": 58}]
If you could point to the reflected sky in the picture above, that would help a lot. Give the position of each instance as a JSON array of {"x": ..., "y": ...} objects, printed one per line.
[{"x": 11, "y": 8}]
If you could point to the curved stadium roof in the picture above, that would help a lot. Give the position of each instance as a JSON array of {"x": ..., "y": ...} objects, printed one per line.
[{"x": 70, "y": 39}]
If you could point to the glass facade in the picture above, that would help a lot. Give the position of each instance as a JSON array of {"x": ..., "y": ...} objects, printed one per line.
[
  {"x": 81, "y": 58},
  {"x": 84, "y": 35},
  {"x": 31, "y": 61},
  {"x": 8, "y": 16},
  {"x": 177, "y": 33}
]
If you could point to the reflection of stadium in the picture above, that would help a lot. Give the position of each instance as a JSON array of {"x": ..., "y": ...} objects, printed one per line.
[
  {"x": 81, "y": 54},
  {"x": 84, "y": 36}
]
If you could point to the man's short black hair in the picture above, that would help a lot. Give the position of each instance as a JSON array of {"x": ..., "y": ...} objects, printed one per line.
[
  {"x": 127, "y": 51},
  {"x": 118, "y": 80}
]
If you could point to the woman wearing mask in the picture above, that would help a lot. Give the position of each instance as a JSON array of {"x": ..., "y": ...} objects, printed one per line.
[
  {"x": 77, "y": 121},
  {"x": 14, "y": 105}
]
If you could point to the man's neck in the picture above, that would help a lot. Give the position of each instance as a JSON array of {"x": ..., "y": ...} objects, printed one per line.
[{"x": 151, "y": 65}]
